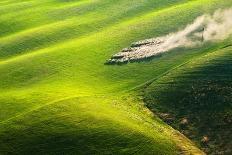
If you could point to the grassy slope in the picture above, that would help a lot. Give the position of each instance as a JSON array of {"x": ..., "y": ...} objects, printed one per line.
[
  {"x": 52, "y": 55},
  {"x": 199, "y": 91}
]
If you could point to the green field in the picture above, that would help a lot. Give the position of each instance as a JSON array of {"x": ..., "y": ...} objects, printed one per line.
[{"x": 58, "y": 97}]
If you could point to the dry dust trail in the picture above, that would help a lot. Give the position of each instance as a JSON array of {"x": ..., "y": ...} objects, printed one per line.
[{"x": 206, "y": 28}]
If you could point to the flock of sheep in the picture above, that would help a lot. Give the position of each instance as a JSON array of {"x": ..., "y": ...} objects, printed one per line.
[{"x": 138, "y": 50}]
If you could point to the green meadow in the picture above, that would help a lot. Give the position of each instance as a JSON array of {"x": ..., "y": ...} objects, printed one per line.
[{"x": 58, "y": 97}]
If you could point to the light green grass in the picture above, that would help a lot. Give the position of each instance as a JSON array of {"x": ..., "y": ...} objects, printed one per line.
[{"x": 52, "y": 74}]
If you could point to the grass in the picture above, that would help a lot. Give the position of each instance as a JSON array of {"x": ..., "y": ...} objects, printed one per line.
[
  {"x": 74, "y": 125},
  {"x": 56, "y": 92}
]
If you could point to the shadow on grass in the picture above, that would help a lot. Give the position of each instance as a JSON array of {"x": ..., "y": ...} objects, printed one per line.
[{"x": 198, "y": 102}]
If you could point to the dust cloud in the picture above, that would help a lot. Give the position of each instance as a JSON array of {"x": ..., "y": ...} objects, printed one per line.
[{"x": 206, "y": 28}]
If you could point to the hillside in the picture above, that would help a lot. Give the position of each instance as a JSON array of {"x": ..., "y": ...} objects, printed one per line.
[
  {"x": 58, "y": 97},
  {"x": 196, "y": 99}
]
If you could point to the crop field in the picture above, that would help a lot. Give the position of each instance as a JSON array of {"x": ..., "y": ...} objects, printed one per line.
[{"x": 57, "y": 95}]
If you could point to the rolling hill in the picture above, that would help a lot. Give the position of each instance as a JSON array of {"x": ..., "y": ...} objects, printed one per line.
[{"x": 58, "y": 97}]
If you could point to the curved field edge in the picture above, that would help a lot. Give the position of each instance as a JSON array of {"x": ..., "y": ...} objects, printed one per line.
[
  {"x": 199, "y": 92},
  {"x": 92, "y": 124}
]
